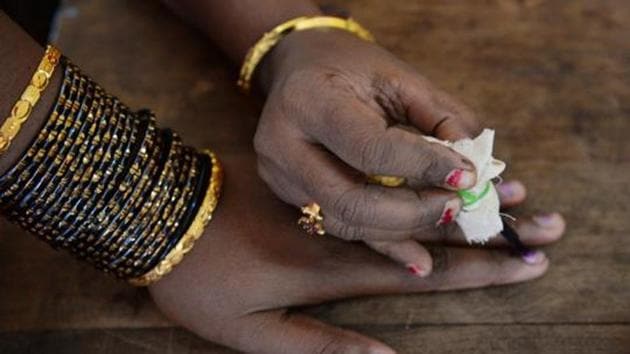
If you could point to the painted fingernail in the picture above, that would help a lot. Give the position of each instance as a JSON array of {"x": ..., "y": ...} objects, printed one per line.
[
  {"x": 534, "y": 257},
  {"x": 506, "y": 189},
  {"x": 415, "y": 270},
  {"x": 451, "y": 209},
  {"x": 460, "y": 179},
  {"x": 545, "y": 220}
]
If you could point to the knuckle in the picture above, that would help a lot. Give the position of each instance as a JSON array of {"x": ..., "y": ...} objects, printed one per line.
[
  {"x": 373, "y": 154},
  {"x": 352, "y": 207},
  {"x": 340, "y": 229},
  {"x": 355, "y": 233},
  {"x": 423, "y": 217},
  {"x": 262, "y": 142},
  {"x": 346, "y": 206},
  {"x": 388, "y": 92},
  {"x": 294, "y": 98},
  {"x": 334, "y": 79},
  {"x": 348, "y": 232},
  {"x": 264, "y": 172},
  {"x": 309, "y": 179},
  {"x": 259, "y": 142},
  {"x": 428, "y": 163}
]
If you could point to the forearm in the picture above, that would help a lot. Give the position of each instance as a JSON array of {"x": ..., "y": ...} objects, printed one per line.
[
  {"x": 235, "y": 25},
  {"x": 19, "y": 56},
  {"x": 89, "y": 175}
]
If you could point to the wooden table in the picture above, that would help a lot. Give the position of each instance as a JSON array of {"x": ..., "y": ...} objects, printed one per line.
[{"x": 553, "y": 77}]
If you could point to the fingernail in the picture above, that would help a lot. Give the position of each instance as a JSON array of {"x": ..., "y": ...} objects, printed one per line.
[
  {"x": 460, "y": 179},
  {"x": 534, "y": 257},
  {"x": 451, "y": 209},
  {"x": 506, "y": 189},
  {"x": 545, "y": 220},
  {"x": 415, "y": 270}
]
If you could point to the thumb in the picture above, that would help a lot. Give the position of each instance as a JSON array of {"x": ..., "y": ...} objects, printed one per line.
[
  {"x": 281, "y": 332},
  {"x": 435, "y": 112}
]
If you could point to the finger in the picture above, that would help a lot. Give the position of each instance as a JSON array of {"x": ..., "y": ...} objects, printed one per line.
[
  {"x": 280, "y": 332},
  {"x": 370, "y": 146},
  {"x": 409, "y": 253},
  {"x": 349, "y": 200},
  {"x": 376, "y": 227},
  {"x": 435, "y": 112},
  {"x": 453, "y": 268},
  {"x": 460, "y": 268},
  {"x": 511, "y": 193},
  {"x": 541, "y": 229},
  {"x": 537, "y": 230}
]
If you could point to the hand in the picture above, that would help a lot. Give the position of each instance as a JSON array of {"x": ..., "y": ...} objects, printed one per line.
[
  {"x": 338, "y": 109},
  {"x": 236, "y": 285}
]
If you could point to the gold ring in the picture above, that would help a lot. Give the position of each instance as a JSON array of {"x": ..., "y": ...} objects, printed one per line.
[
  {"x": 387, "y": 181},
  {"x": 312, "y": 220}
]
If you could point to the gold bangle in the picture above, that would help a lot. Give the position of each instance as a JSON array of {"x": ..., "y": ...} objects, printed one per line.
[
  {"x": 24, "y": 106},
  {"x": 270, "y": 39},
  {"x": 195, "y": 230}
]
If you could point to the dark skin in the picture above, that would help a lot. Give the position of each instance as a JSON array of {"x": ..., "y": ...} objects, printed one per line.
[
  {"x": 253, "y": 263},
  {"x": 339, "y": 102}
]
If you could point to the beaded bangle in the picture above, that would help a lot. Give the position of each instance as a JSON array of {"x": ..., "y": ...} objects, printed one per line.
[
  {"x": 141, "y": 213},
  {"x": 120, "y": 161},
  {"x": 106, "y": 184},
  {"x": 194, "y": 231},
  {"x": 200, "y": 185},
  {"x": 64, "y": 175},
  {"x": 94, "y": 178},
  {"x": 174, "y": 207},
  {"x": 157, "y": 200}
]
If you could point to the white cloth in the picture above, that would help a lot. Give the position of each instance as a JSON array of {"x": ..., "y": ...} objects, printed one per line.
[{"x": 480, "y": 220}]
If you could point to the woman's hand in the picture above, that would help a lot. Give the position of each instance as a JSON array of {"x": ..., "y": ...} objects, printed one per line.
[
  {"x": 338, "y": 109},
  {"x": 236, "y": 285}
]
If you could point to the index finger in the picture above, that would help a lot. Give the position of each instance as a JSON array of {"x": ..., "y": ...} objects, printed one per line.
[{"x": 362, "y": 138}]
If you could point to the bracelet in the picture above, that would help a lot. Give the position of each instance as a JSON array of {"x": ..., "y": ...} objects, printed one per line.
[
  {"x": 270, "y": 39},
  {"x": 195, "y": 230},
  {"x": 110, "y": 186},
  {"x": 24, "y": 106}
]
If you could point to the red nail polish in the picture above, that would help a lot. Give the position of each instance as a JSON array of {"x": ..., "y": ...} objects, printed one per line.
[
  {"x": 414, "y": 269},
  {"x": 454, "y": 178},
  {"x": 447, "y": 217}
]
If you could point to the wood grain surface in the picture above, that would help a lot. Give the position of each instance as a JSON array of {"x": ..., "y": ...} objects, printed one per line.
[{"x": 552, "y": 77}]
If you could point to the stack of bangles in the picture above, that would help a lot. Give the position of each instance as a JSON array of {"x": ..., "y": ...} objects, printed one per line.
[{"x": 106, "y": 183}]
